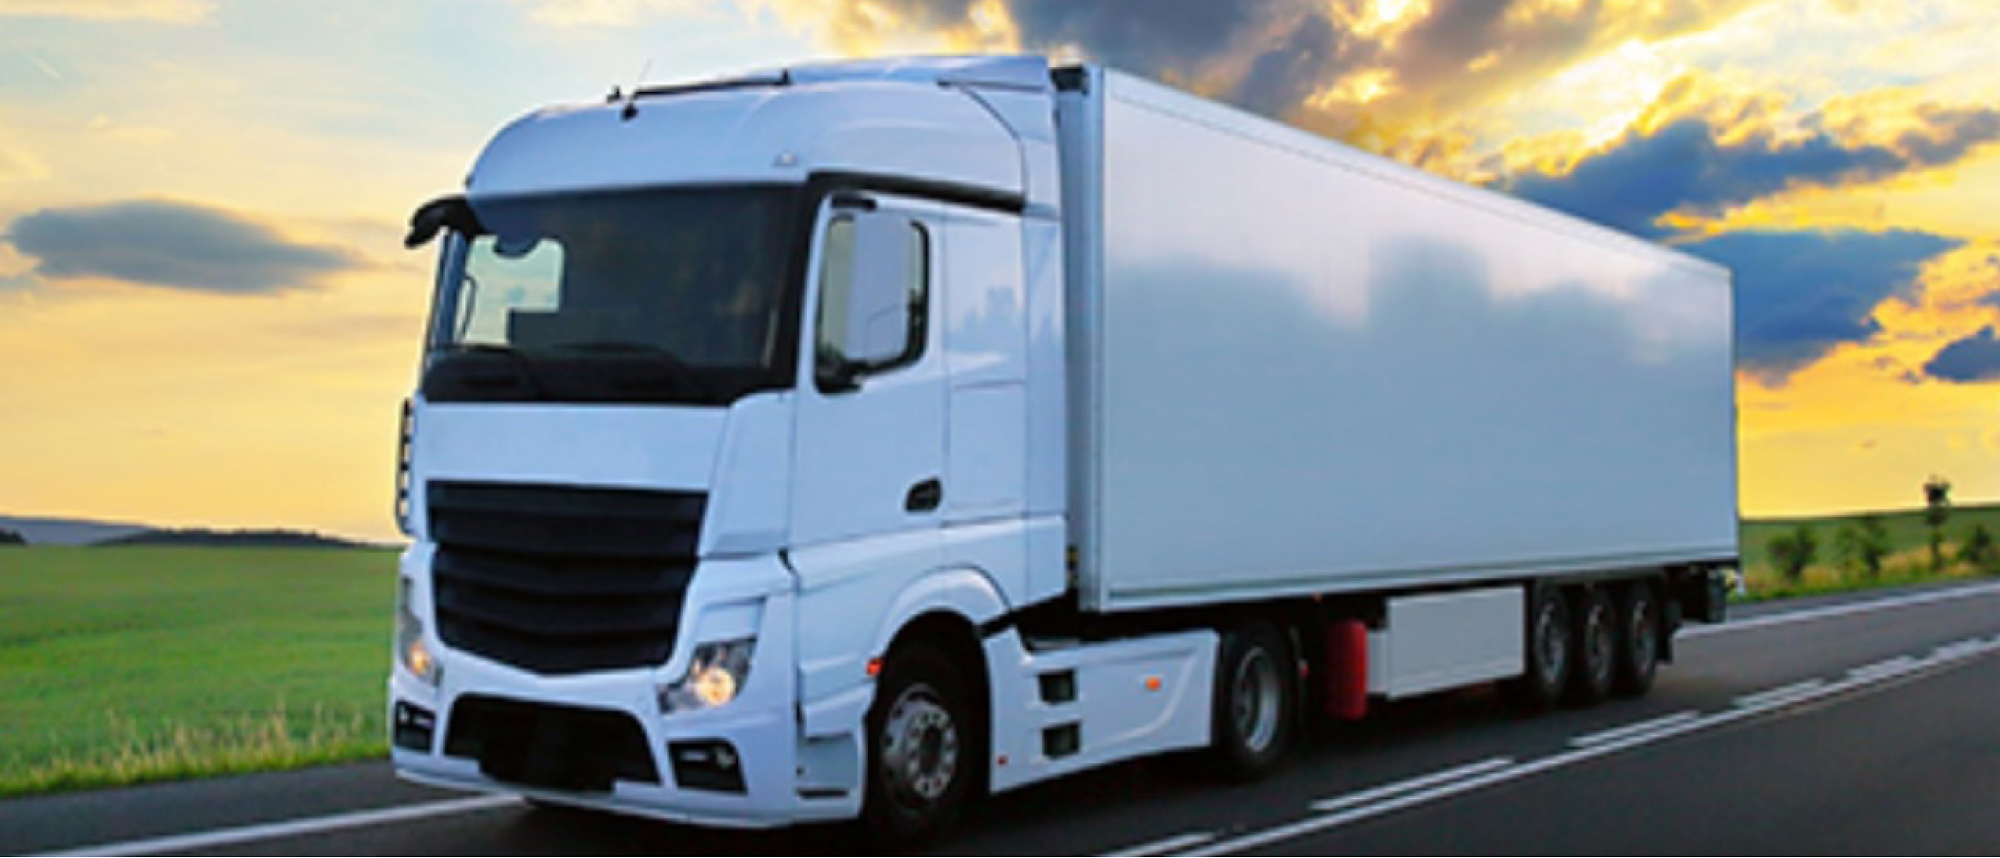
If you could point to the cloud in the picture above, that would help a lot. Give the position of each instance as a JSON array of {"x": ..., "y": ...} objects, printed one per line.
[
  {"x": 1281, "y": 79},
  {"x": 176, "y": 245},
  {"x": 1974, "y": 358},
  {"x": 1800, "y": 294},
  {"x": 156, "y": 11},
  {"x": 1338, "y": 66},
  {"x": 605, "y": 13},
  {"x": 1704, "y": 165}
]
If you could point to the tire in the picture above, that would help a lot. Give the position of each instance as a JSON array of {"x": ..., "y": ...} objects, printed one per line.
[
  {"x": 1255, "y": 705},
  {"x": 925, "y": 745},
  {"x": 1548, "y": 645},
  {"x": 1594, "y": 649},
  {"x": 1638, "y": 639}
]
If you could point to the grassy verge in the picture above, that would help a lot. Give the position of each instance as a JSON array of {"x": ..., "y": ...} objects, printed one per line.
[
  {"x": 1908, "y": 560},
  {"x": 124, "y": 665}
]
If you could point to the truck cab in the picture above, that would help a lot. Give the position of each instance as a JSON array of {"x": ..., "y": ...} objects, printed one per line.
[{"x": 727, "y": 390}]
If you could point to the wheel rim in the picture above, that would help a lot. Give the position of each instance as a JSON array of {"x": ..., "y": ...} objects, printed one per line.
[
  {"x": 1597, "y": 644},
  {"x": 1256, "y": 701},
  {"x": 1551, "y": 644},
  {"x": 920, "y": 747},
  {"x": 1643, "y": 642}
]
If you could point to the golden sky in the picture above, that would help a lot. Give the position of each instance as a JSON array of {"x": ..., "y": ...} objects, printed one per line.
[{"x": 206, "y": 317}]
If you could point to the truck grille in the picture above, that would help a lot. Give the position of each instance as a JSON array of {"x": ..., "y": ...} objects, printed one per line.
[{"x": 562, "y": 580}]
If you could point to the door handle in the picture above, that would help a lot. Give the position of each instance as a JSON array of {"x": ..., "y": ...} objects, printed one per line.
[{"x": 924, "y": 496}]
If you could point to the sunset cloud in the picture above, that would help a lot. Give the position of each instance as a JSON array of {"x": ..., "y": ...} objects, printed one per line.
[
  {"x": 1974, "y": 358},
  {"x": 1701, "y": 160},
  {"x": 174, "y": 245},
  {"x": 1800, "y": 294},
  {"x": 1349, "y": 66}
]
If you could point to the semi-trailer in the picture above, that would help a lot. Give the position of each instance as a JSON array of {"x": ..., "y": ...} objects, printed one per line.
[{"x": 852, "y": 439}]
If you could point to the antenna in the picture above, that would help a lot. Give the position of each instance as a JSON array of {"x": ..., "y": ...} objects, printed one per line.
[{"x": 632, "y": 96}]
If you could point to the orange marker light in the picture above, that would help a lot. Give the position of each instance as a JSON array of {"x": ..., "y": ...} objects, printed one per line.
[
  {"x": 1152, "y": 683},
  {"x": 874, "y": 667}
]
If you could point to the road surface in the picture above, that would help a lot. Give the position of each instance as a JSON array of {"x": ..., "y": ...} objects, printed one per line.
[{"x": 1858, "y": 724}]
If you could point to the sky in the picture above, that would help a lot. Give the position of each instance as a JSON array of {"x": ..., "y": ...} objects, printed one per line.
[{"x": 207, "y": 319}]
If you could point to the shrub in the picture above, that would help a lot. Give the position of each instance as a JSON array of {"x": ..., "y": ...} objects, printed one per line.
[
  {"x": 1792, "y": 552},
  {"x": 1978, "y": 551},
  {"x": 1863, "y": 543}
]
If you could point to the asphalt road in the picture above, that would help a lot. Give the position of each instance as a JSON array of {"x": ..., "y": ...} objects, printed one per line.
[{"x": 1854, "y": 725}]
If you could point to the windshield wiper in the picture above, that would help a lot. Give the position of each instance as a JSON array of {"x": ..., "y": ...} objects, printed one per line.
[{"x": 657, "y": 354}]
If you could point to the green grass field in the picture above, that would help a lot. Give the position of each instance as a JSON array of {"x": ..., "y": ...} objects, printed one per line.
[
  {"x": 1909, "y": 559},
  {"x": 120, "y": 665}
]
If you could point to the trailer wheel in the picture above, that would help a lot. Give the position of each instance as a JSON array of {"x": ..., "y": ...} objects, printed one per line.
[
  {"x": 1595, "y": 647},
  {"x": 1547, "y": 670},
  {"x": 923, "y": 747},
  {"x": 1638, "y": 639},
  {"x": 1255, "y": 703}
]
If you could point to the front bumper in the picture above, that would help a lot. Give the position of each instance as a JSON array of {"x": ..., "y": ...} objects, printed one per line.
[{"x": 554, "y": 721}]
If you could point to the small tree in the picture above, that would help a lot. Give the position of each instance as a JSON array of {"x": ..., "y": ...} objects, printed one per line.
[
  {"x": 9, "y": 537},
  {"x": 1937, "y": 510},
  {"x": 1862, "y": 544},
  {"x": 1977, "y": 550},
  {"x": 1792, "y": 552}
]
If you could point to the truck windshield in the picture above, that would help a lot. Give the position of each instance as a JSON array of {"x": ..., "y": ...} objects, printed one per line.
[{"x": 664, "y": 295}]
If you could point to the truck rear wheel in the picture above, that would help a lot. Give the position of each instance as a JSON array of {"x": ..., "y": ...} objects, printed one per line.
[
  {"x": 1547, "y": 667},
  {"x": 1595, "y": 648},
  {"x": 1638, "y": 639},
  {"x": 923, "y": 747},
  {"x": 1255, "y": 703}
]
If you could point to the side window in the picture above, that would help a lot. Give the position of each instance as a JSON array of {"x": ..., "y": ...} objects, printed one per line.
[{"x": 874, "y": 297}]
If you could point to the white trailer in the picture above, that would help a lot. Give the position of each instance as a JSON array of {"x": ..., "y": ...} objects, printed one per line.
[{"x": 847, "y": 440}]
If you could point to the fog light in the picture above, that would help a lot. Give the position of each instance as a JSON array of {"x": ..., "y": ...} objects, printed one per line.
[
  {"x": 414, "y": 727},
  {"x": 707, "y": 765},
  {"x": 715, "y": 675}
]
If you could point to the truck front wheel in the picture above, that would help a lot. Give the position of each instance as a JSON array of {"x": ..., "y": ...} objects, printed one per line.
[
  {"x": 1255, "y": 702},
  {"x": 923, "y": 747}
]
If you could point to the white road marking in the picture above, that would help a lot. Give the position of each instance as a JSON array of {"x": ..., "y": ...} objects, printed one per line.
[
  {"x": 1647, "y": 726},
  {"x": 1885, "y": 667},
  {"x": 1412, "y": 785},
  {"x": 1780, "y": 695},
  {"x": 1810, "y": 614},
  {"x": 1960, "y": 647},
  {"x": 1166, "y": 845},
  {"x": 201, "y": 840}
]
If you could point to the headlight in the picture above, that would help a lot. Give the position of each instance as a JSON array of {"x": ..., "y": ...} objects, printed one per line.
[
  {"x": 715, "y": 675},
  {"x": 411, "y": 651}
]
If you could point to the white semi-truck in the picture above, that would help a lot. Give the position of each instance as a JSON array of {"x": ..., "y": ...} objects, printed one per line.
[{"x": 856, "y": 438}]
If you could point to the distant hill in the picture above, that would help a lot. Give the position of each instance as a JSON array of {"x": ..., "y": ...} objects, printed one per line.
[
  {"x": 251, "y": 538},
  {"x": 39, "y": 530},
  {"x": 46, "y": 530}
]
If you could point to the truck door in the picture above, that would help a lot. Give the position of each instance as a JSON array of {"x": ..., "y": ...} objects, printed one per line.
[{"x": 870, "y": 435}]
